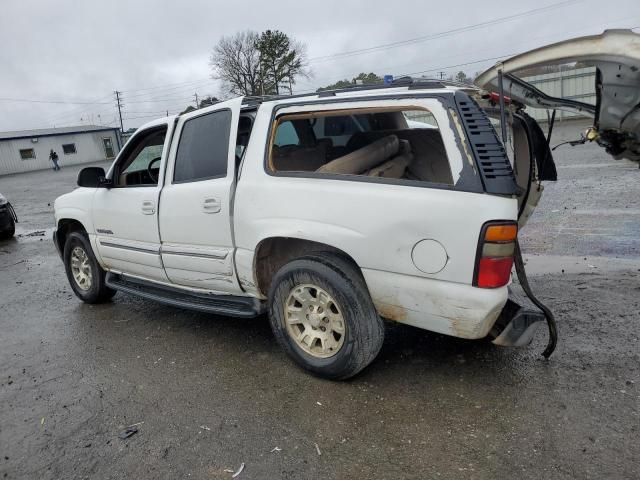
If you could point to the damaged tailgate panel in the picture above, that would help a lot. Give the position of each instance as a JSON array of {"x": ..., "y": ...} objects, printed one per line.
[{"x": 616, "y": 56}]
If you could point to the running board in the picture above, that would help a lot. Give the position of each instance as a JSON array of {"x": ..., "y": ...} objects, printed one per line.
[{"x": 229, "y": 305}]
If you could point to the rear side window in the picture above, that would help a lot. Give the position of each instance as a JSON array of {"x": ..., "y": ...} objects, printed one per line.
[
  {"x": 203, "y": 150},
  {"x": 378, "y": 142}
]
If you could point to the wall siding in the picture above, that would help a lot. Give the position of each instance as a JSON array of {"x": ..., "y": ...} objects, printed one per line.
[{"x": 89, "y": 148}]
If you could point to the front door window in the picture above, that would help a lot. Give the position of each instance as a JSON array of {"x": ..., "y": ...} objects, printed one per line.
[{"x": 139, "y": 164}]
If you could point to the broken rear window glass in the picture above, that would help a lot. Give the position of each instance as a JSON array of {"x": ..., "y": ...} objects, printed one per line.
[{"x": 392, "y": 143}]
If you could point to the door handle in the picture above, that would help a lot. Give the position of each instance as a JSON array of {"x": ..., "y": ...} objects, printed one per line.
[
  {"x": 211, "y": 205},
  {"x": 148, "y": 207}
]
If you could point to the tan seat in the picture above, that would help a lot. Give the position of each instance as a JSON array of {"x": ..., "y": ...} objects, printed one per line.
[
  {"x": 300, "y": 159},
  {"x": 430, "y": 163},
  {"x": 365, "y": 158}
]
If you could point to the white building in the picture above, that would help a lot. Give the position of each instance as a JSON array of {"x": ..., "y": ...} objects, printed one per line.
[{"x": 27, "y": 150}]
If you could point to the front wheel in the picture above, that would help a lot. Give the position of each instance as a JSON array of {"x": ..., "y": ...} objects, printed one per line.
[
  {"x": 323, "y": 317},
  {"x": 85, "y": 276}
]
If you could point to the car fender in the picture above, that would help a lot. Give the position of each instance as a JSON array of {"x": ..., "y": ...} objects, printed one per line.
[{"x": 76, "y": 206}]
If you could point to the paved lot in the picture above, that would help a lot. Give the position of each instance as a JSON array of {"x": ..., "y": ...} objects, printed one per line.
[{"x": 212, "y": 393}]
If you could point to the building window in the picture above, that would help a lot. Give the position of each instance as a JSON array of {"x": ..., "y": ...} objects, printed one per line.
[
  {"x": 69, "y": 148},
  {"x": 27, "y": 153}
]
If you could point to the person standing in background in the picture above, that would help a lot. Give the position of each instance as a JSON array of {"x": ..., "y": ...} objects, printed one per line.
[{"x": 53, "y": 156}]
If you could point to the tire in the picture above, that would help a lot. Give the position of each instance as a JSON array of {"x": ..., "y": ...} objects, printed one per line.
[
  {"x": 10, "y": 232},
  {"x": 340, "y": 285},
  {"x": 95, "y": 290}
]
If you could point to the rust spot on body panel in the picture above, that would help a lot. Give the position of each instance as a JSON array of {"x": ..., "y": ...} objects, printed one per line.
[{"x": 391, "y": 312}]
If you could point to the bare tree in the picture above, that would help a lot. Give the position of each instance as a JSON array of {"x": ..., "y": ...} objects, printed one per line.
[
  {"x": 236, "y": 61},
  {"x": 300, "y": 66}
]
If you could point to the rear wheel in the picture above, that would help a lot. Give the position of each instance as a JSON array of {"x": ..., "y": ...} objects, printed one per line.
[
  {"x": 323, "y": 317},
  {"x": 86, "y": 277}
]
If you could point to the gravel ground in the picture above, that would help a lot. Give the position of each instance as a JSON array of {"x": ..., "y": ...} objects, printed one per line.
[{"x": 210, "y": 393}]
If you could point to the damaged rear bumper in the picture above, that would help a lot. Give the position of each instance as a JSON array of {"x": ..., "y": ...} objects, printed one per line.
[{"x": 517, "y": 323}]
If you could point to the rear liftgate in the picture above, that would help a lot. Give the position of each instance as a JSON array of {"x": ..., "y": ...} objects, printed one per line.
[{"x": 519, "y": 318}]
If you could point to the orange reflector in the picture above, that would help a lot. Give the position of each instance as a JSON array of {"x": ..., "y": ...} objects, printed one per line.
[{"x": 501, "y": 233}]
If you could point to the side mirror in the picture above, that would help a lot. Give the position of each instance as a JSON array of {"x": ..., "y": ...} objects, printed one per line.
[{"x": 92, "y": 177}]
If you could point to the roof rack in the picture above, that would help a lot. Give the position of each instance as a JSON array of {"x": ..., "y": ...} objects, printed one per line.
[{"x": 409, "y": 82}]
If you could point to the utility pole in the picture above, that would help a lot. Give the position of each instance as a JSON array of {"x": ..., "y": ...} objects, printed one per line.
[
  {"x": 196, "y": 95},
  {"x": 118, "y": 100}
]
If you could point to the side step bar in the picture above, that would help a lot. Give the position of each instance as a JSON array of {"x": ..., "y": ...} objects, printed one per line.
[{"x": 229, "y": 305}]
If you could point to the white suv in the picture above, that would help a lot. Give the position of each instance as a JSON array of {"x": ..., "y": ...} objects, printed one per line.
[{"x": 330, "y": 210}]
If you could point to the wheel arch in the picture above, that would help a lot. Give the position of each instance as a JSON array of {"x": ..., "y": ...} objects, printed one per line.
[
  {"x": 274, "y": 252},
  {"x": 64, "y": 228}
]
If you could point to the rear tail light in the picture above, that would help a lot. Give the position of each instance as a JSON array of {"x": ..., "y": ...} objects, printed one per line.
[{"x": 494, "y": 259}]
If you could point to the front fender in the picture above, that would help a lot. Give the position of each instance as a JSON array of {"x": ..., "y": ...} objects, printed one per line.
[{"x": 76, "y": 206}]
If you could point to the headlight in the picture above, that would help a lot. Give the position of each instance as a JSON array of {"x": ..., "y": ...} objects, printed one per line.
[{"x": 3, "y": 200}]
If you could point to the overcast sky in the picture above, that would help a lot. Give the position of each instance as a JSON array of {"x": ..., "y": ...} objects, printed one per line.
[{"x": 157, "y": 52}]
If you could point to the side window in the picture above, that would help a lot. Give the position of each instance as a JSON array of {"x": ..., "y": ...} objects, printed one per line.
[
  {"x": 140, "y": 163},
  {"x": 203, "y": 151},
  {"x": 420, "y": 119},
  {"x": 378, "y": 142}
]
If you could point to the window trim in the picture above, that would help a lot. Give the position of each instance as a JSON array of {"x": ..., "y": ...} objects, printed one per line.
[
  {"x": 447, "y": 101},
  {"x": 175, "y": 156},
  {"x": 32, "y": 150},
  {"x": 75, "y": 151},
  {"x": 115, "y": 170}
]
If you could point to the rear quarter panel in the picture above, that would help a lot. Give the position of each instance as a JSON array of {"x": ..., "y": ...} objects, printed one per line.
[{"x": 376, "y": 224}]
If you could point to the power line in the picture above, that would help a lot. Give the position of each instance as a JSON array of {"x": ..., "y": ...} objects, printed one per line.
[
  {"x": 162, "y": 114},
  {"x": 162, "y": 87},
  {"x": 188, "y": 84},
  {"x": 456, "y": 66},
  {"x": 162, "y": 91},
  {"x": 446, "y": 33},
  {"x": 75, "y": 111},
  {"x": 66, "y": 102},
  {"x": 525, "y": 48},
  {"x": 161, "y": 99}
]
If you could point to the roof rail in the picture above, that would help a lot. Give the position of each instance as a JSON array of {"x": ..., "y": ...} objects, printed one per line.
[{"x": 409, "y": 82}]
